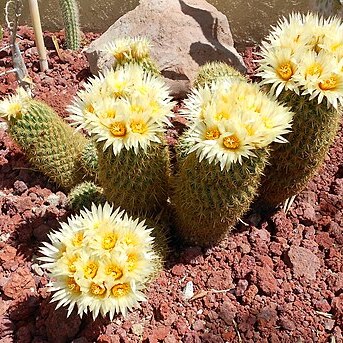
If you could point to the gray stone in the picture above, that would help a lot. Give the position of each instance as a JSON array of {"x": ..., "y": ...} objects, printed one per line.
[{"x": 185, "y": 34}]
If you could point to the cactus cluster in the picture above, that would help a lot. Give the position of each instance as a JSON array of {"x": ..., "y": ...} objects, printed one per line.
[
  {"x": 302, "y": 63},
  {"x": 101, "y": 260}
]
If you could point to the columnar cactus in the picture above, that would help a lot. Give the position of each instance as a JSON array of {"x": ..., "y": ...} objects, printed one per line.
[
  {"x": 222, "y": 157},
  {"x": 51, "y": 145},
  {"x": 70, "y": 14},
  {"x": 125, "y": 112},
  {"x": 302, "y": 62}
]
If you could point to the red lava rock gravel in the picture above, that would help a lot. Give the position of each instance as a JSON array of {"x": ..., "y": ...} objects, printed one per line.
[{"x": 279, "y": 279}]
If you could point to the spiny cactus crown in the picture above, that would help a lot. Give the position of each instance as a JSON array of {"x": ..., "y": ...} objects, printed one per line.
[
  {"x": 304, "y": 54},
  {"x": 229, "y": 119},
  {"x": 124, "y": 108}
]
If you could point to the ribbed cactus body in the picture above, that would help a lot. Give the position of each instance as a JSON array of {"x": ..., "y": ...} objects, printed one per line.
[
  {"x": 137, "y": 183},
  {"x": 213, "y": 71},
  {"x": 70, "y": 14},
  {"x": 89, "y": 159},
  {"x": 84, "y": 194},
  {"x": 293, "y": 164},
  {"x": 51, "y": 145},
  {"x": 209, "y": 201}
]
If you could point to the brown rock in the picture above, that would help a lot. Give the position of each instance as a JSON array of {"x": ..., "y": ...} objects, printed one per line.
[
  {"x": 178, "y": 270},
  {"x": 228, "y": 312},
  {"x": 159, "y": 333},
  {"x": 220, "y": 279},
  {"x": 250, "y": 294},
  {"x": 324, "y": 240},
  {"x": 305, "y": 263},
  {"x": 337, "y": 305},
  {"x": 266, "y": 281},
  {"x": 205, "y": 36},
  {"x": 19, "y": 187},
  {"x": 20, "y": 284}
]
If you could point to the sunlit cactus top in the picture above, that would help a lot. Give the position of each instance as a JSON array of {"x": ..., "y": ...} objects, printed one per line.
[
  {"x": 129, "y": 49},
  {"x": 100, "y": 261},
  {"x": 14, "y": 106},
  {"x": 124, "y": 108},
  {"x": 304, "y": 54},
  {"x": 230, "y": 119}
]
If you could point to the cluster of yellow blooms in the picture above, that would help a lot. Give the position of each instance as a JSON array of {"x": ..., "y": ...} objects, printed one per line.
[
  {"x": 14, "y": 106},
  {"x": 124, "y": 108},
  {"x": 129, "y": 49},
  {"x": 231, "y": 118},
  {"x": 99, "y": 261},
  {"x": 304, "y": 54}
]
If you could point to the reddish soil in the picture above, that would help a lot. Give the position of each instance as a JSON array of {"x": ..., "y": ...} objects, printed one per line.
[{"x": 278, "y": 279}]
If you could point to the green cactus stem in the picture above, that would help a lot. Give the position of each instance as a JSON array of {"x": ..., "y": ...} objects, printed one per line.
[
  {"x": 212, "y": 71},
  {"x": 89, "y": 159},
  {"x": 293, "y": 165},
  {"x": 208, "y": 201},
  {"x": 70, "y": 14},
  {"x": 137, "y": 183},
  {"x": 51, "y": 145}
]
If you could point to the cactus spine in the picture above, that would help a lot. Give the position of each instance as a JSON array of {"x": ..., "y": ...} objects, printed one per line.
[
  {"x": 70, "y": 14},
  {"x": 52, "y": 146},
  {"x": 208, "y": 201},
  {"x": 293, "y": 165}
]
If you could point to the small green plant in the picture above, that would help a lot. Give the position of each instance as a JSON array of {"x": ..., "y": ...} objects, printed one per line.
[
  {"x": 51, "y": 145},
  {"x": 302, "y": 62},
  {"x": 70, "y": 14},
  {"x": 222, "y": 156},
  {"x": 126, "y": 111},
  {"x": 101, "y": 261},
  {"x": 84, "y": 194}
]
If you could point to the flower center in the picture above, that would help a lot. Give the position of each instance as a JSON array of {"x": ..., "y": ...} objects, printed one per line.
[
  {"x": 14, "y": 109},
  {"x": 314, "y": 69},
  {"x": 90, "y": 270},
  {"x": 231, "y": 142},
  {"x": 285, "y": 71},
  {"x": 131, "y": 262},
  {"x": 121, "y": 290},
  {"x": 118, "y": 129},
  {"x": 138, "y": 127},
  {"x": 212, "y": 134},
  {"x": 109, "y": 241},
  {"x": 114, "y": 271},
  {"x": 72, "y": 285},
  {"x": 78, "y": 238},
  {"x": 71, "y": 265},
  {"x": 89, "y": 108},
  {"x": 96, "y": 289},
  {"x": 329, "y": 83},
  {"x": 130, "y": 239}
]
